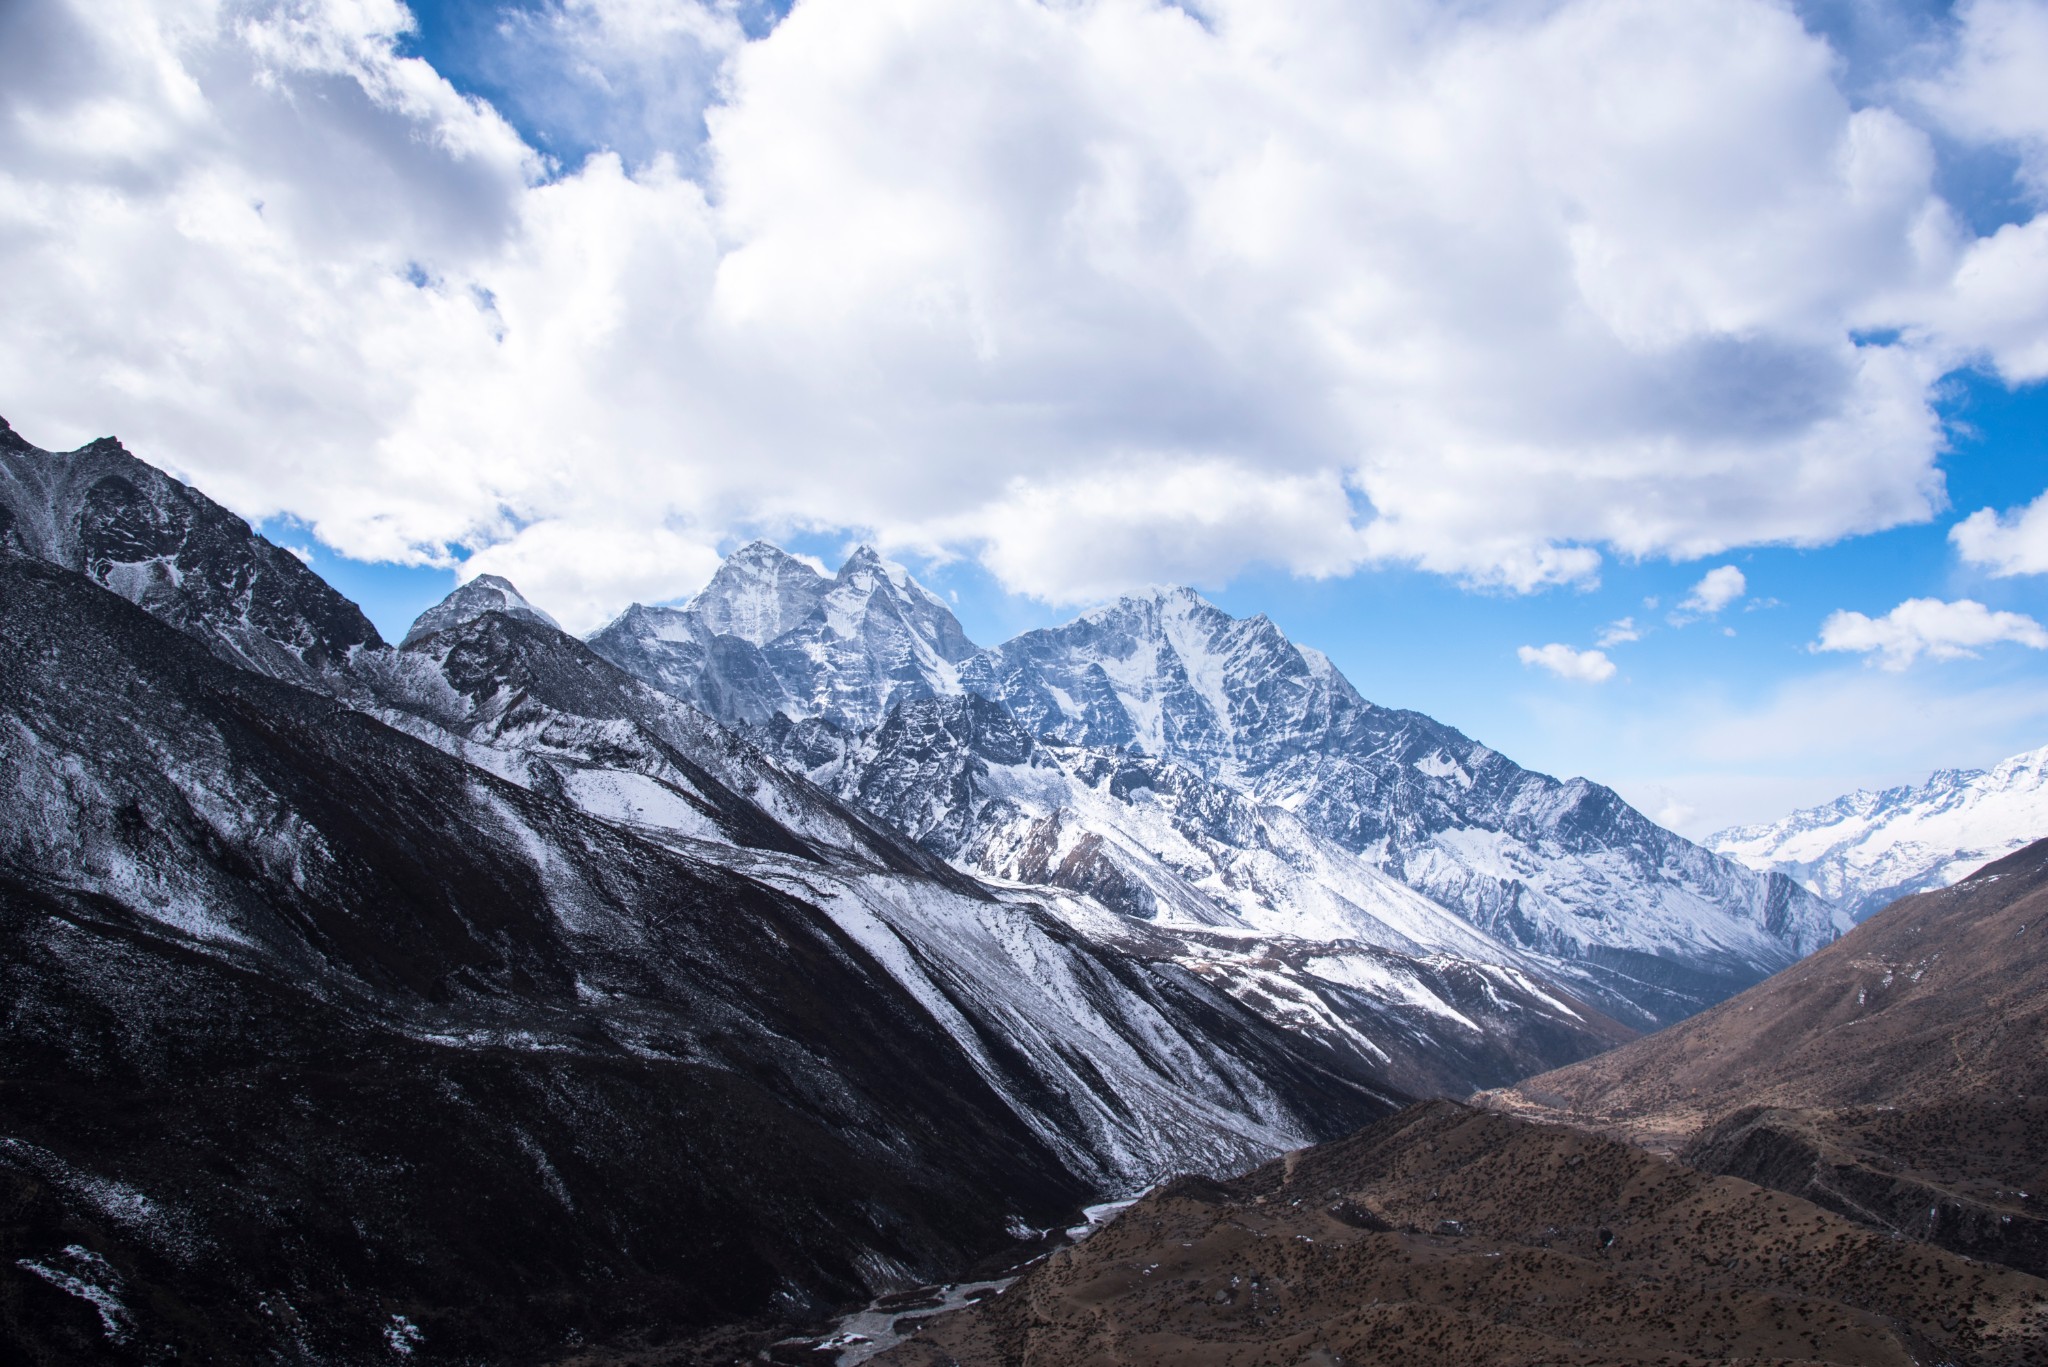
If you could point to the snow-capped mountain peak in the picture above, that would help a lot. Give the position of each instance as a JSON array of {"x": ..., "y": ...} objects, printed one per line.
[
  {"x": 760, "y": 592},
  {"x": 867, "y": 581},
  {"x": 770, "y": 634},
  {"x": 485, "y": 593},
  {"x": 1866, "y": 849},
  {"x": 1167, "y": 671}
]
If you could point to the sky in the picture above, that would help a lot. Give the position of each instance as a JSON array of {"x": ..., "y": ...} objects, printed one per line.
[{"x": 1656, "y": 390}]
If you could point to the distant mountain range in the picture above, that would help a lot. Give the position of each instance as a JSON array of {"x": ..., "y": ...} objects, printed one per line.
[
  {"x": 1191, "y": 768},
  {"x": 1868, "y": 849}
]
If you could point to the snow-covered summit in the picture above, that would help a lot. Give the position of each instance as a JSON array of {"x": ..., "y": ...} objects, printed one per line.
[
  {"x": 485, "y": 593},
  {"x": 759, "y": 592},
  {"x": 1866, "y": 849},
  {"x": 770, "y": 634},
  {"x": 1171, "y": 673}
]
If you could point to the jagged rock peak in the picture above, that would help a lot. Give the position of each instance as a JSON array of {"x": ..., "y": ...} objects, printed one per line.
[
  {"x": 166, "y": 547},
  {"x": 760, "y": 592},
  {"x": 11, "y": 440},
  {"x": 865, "y": 574},
  {"x": 485, "y": 593}
]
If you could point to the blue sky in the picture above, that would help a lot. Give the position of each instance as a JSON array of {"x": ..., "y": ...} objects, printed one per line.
[{"x": 1450, "y": 337}]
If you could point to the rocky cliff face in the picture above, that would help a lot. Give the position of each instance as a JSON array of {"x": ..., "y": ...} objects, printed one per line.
[{"x": 131, "y": 528}]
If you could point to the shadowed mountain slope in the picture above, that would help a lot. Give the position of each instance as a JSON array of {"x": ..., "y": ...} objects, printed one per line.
[{"x": 302, "y": 1013}]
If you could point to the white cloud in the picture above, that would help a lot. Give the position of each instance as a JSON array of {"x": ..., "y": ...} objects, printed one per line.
[
  {"x": 2015, "y": 543},
  {"x": 1095, "y": 292},
  {"x": 1716, "y": 589},
  {"x": 1991, "y": 89},
  {"x": 1993, "y": 303},
  {"x": 1931, "y": 627},
  {"x": 1193, "y": 521},
  {"x": 1620, "y": 632},
  {"x": 1582, "y": 666},
  {"x": 1667, "y": 809},
  {"x": 584, "y": 571}
]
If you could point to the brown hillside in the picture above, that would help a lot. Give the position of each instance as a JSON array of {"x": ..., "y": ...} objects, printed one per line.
[
  {"x": 1899, "y": 1076},
  {"x": 1446, "y": 1235}
]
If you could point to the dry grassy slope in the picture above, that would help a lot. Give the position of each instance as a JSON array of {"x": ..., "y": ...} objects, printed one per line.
[
  {"x": 1446, "y": 1235},
  {"x": 1940, "y": 995},
  {"x": 1899, "y": 1076}
]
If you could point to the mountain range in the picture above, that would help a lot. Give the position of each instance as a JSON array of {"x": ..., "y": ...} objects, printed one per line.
[
  {"x": 1867, "y": 849},
  {"x": 1188, "y": 767},
  {"x": 500, "y": 992},
  {"x": 339, "y": 974}
]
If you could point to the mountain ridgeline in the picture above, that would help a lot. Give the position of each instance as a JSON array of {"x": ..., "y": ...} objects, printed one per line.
[
  {"x": 1866, "y": 849},
  {"x": 836, "y": 674}
]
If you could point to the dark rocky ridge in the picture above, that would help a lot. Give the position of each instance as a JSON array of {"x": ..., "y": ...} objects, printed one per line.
[
  {"x": 454, "y": 1051},
  {"x": 131, "y": 528}
]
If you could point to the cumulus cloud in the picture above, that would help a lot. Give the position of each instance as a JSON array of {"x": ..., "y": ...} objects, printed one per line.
[
  {"x": 2014, "y": 543},
  {"x": 1930, "y": 627},
  {"x": 1990, "y": 89},
  {"x": 1716, "y": 589},
  {"x": 1582, "y": 666},
  {"x": 1099, "y": 293},
  {"x": 1620, "y": 632}
]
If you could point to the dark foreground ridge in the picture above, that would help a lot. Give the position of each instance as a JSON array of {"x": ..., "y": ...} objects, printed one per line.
[
  {"x": 1449, "y": 1237},
  {"x": 379, "y": 1080}
]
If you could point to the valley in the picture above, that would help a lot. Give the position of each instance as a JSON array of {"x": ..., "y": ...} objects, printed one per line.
[{"x": 508, "y": 996}]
